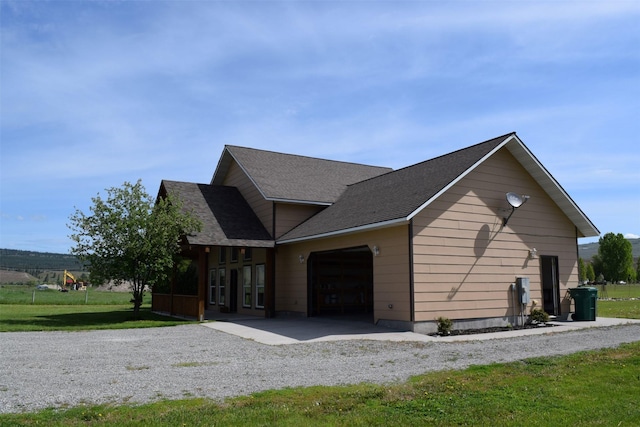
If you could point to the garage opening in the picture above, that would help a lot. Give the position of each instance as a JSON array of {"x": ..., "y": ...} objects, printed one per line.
[{"x": 340, "y": 282}]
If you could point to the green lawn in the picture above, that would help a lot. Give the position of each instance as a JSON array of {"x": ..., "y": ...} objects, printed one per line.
[
  {"x": 28, "y": 294},
  {"x": 597, "y": 388},
  {"x": 73, "y": 311},
  {"x": 560, "y": 391},
  {"x": 624, "y": 303},
  {"x": 626, "y": 309},
  {"x": 618, "y": 291},
  {"x": 21, "y": 318}
]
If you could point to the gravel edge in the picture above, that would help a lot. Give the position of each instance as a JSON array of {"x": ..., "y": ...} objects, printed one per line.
[{"x": 65, "y": 369}]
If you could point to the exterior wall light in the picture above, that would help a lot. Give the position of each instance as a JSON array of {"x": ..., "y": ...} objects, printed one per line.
[
  {"x": 515, "y": 200},
  {"x": 376, "y": 251},
  {"x": 533, "y": 253},
  {"x": 301, "y": 258}
]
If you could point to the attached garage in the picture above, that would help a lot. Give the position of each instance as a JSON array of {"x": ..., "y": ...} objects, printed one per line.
[{"x": 340, "y": 282}]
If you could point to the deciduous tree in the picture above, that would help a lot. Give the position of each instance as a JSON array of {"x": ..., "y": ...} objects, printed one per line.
[
  {"x": 130, "y": 237},
  {"x": 615, "y": 257}
]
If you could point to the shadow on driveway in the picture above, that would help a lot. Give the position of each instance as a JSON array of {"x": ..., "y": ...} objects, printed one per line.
[{"x": 288, "y": 330}]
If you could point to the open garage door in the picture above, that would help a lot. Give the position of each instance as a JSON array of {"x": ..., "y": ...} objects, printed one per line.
[{"x": 341, "y": 282}]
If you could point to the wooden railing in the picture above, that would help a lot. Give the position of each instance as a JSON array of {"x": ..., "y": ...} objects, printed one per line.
[{"x": 182, "y": 305}]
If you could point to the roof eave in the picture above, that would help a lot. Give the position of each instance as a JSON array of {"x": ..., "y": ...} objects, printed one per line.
[
  {"x": 298, "y": 202},
  {"x": 359, "y": 229},
  {"x": 240, "y": 243}
]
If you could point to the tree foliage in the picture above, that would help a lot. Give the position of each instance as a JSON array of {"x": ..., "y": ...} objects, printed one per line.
[
  {"x": 591, "y": 274},
  {"x": 582, "y": 272},
  {"x": 129, "y": 237},
  {"x": 615, "y": 259}
]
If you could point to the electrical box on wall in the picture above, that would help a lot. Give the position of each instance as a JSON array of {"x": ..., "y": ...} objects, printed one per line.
[{"x": 522, "y": 285}]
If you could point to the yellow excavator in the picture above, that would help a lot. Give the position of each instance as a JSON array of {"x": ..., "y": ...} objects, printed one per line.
[{"x": 74, "y": 283}]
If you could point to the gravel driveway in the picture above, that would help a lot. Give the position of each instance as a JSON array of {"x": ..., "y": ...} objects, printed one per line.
[{"x": 58, "y": 369}]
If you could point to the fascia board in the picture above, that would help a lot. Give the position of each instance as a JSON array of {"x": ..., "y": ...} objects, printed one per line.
[
  {"x": 459, "y": 177},
  {"x": 553, "y": 188},
  {"x": 298, "y": 202},
  {"x": 368, "y": 227},
  {"x": 220, "y": 166},
  {"x": 255, "y": 184}
]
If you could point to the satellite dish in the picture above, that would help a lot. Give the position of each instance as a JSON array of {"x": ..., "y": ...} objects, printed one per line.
[{"x": 515, "y": 200}]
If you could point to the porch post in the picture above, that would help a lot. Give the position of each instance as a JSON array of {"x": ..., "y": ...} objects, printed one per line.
[
  {"x": 270, "y": 294},
  {"x": 202, "y": 279},
  {"x": 173, "y": 288}
]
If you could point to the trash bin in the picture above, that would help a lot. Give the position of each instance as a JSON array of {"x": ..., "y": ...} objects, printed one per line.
[{"x": 585, "y": 300}]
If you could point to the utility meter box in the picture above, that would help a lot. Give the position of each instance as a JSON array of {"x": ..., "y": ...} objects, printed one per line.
[{"x": 522, "y": 285}]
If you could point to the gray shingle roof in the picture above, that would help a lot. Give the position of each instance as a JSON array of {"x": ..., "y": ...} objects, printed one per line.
[
  {"x": 393, "y": 196},
  {"x": 288, "y": 177},
  {"x": 227, "y": 219}
]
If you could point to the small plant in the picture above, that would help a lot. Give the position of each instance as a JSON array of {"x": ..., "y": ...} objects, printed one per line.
[
  {"x": 445, "y": 325},
  {"x": 538, "y": 316}
]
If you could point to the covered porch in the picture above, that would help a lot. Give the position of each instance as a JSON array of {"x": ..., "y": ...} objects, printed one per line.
[{"x": 226, "y": 267}]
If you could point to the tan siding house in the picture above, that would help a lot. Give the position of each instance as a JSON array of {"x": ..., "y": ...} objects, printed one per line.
[{"x": 448, "y": 237}]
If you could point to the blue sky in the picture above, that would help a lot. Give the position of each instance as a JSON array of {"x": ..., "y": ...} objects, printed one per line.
[{"x": 96, "y": 93}]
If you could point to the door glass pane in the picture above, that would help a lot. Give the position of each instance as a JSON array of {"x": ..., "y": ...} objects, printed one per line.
[
  {"x": 260, "y": 286},
  {"x": 246, "y": 286},
  {"x": 212, "y": 286},
  {"x": 222, "y": 286}
]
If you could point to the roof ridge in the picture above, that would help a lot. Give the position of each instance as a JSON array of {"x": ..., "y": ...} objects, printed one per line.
[
  {"x": 491, "y": 140},
  {"x": 306, "y": 157}
]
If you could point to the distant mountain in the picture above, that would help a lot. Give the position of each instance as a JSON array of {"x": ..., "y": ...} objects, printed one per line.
[
  {"x": 588, "y": 250},
  {"x": 30, "y": 261}
]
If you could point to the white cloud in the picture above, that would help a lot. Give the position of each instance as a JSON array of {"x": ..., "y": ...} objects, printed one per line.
[
  {"x": 631, "y": 236},
  {"x": 97, "y": 93}
]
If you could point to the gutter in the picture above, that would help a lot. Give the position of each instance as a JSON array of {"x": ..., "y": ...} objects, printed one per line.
[{"x": 375, "y": 226}]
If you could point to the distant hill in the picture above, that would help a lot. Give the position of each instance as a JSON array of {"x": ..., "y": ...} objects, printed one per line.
[
  {"x": 588, "y": 250},
  {"x": 36, "y": 262},
  {"x": 10, "y": 276},
  {"x": 32, "y": 262}
]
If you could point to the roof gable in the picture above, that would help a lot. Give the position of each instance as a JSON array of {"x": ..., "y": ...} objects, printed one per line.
[
  {"x": 293, "y": 178},
  {"x": 227, "y": 219},
  {"x": 541, "y": 175},
  {"x": 395, "y": 196},
  {"x": 398, "y": 196}
]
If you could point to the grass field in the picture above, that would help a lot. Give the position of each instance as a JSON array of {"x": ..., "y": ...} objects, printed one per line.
[
  {"x": 560, "y": 391},
  {"x": 23, "y": 308},
  {"x": 29, "y": 294},
  {"x": 598, "y": 388},
  {"x": 621, "y": 301},
  {"x": 618, "y": 291},
  {"x": 28, "y": 318}
]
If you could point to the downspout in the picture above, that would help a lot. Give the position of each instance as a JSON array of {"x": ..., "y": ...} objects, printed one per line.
[{"x": 411, "y": 284}]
